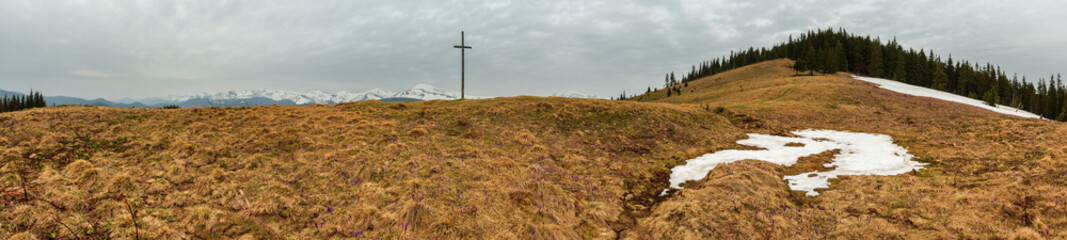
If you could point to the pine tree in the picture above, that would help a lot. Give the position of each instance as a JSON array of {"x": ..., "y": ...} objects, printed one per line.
[
  {"x": 1041, "y": 91},
  {"x": 1063, "y": 112},
  {"x": 822, "y": 61},
  {"x": 990, "y": 97},
  {"x": 798, "y": 66},
  {"x": 838, "y": 61},
  {"x": 963, "y": 83},
  {"x": 940, "y": 79},
  {"x": 809, "y": 60},
  {"x": 899, "y": 72},
  {"x": 40, "y": 100},
  {"x": 13, "y": 104},
  {"x": 874, "y": 61}
]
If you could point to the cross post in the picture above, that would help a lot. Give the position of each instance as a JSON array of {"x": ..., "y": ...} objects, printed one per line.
[{"x": 463, "y": 65}]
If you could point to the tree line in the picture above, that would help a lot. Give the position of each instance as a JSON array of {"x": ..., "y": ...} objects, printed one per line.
[
  {"x": 20, "y": 102},
  {"x": 829, "y": 51}
]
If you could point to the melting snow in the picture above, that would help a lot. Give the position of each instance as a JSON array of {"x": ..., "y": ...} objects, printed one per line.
[
  {"x": 861, "y": 154},
  {"x": 927, "y": 92}
]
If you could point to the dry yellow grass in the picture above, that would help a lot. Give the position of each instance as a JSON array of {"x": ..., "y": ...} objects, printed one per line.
[
  {"x": 989, "y": 175},
  {"x": 524, "y": 167},
  {"x": 527, "y": 168}
]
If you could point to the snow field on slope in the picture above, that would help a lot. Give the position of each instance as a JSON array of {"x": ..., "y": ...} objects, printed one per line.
[
  {"x": 932, "y": 93},
  {"x": 860, "y": 154}
]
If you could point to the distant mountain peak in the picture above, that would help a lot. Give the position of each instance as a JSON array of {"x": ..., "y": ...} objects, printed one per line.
[
  {"x": 573, "y": 94},
  {"x": 425, "y": 87}
]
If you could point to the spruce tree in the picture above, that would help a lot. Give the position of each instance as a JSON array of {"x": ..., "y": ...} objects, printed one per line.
[
  {"x": 900, "y": 74},
  {"x": 809, "y": 60},
  {"x": 963, "y": 83},
  {"x": 840, "y": 60},
  {"x": 822, "y": 61},
  {"x": 874, "y": 61},
  {"x": 1041, "y": 91},
  {"x": 1063, "y": 112},
  {"x": 798, "y": 66},
  {"x": 40, "y": 100},
  {"x": 13, "y": 104},
  {"x": 940, "y": 79},
  {"x": 990, "y": 97}
]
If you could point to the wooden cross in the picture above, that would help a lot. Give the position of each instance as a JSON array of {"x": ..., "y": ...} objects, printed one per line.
[{"x": 463, "y": 65}]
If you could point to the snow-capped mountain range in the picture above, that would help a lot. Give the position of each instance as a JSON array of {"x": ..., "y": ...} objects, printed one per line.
[
  {"x": 270, "y": 97},
  {"x": 419, "y": 92}
]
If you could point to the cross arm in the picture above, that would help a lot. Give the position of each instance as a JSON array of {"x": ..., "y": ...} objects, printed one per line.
[{"x": 458, "y": 46}]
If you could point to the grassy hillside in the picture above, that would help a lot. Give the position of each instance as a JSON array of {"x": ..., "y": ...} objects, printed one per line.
[
  {"x": 527, "y": 168},
  {"x": 520, "y": 167},
  {"x": 989, "y": 175}
]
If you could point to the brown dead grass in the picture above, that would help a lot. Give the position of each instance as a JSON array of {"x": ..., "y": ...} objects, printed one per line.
[
  {"x": 989, "y": 175},
  {"x": 532, "y": 168},
  {"x": 528, "y": 168}
]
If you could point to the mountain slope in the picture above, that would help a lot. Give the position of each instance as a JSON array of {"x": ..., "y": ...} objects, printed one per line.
[
  {"x": 532, "y": 168},
  {"x": 988, "y": 174},
  {"x": 829, "y": 51}
]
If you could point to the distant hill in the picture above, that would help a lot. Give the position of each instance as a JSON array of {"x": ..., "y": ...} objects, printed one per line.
[
  {"x": 400, "y": 99},
  {"x": 830, "y": 51},
  {"x": 10, "y": 93}
]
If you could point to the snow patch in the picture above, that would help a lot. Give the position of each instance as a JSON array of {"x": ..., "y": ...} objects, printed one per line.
[
  {"x": 932, "y": 93},
  {"x": 861, "y": 154}
]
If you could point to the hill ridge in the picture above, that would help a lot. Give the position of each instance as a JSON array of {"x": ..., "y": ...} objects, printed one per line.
[{"x": 830, "y": 51}]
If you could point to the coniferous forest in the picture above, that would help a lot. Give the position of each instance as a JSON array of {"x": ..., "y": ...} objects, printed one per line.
[
  {"x": 829, "y": 51},
  {"x": 20, "y": 102}
]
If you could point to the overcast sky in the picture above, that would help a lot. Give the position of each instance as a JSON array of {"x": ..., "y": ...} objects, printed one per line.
[{"x": 118, "y": 49}]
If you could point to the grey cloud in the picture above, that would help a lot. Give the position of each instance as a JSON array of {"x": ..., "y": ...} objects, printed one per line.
[{"x": 119, "y": 49}]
